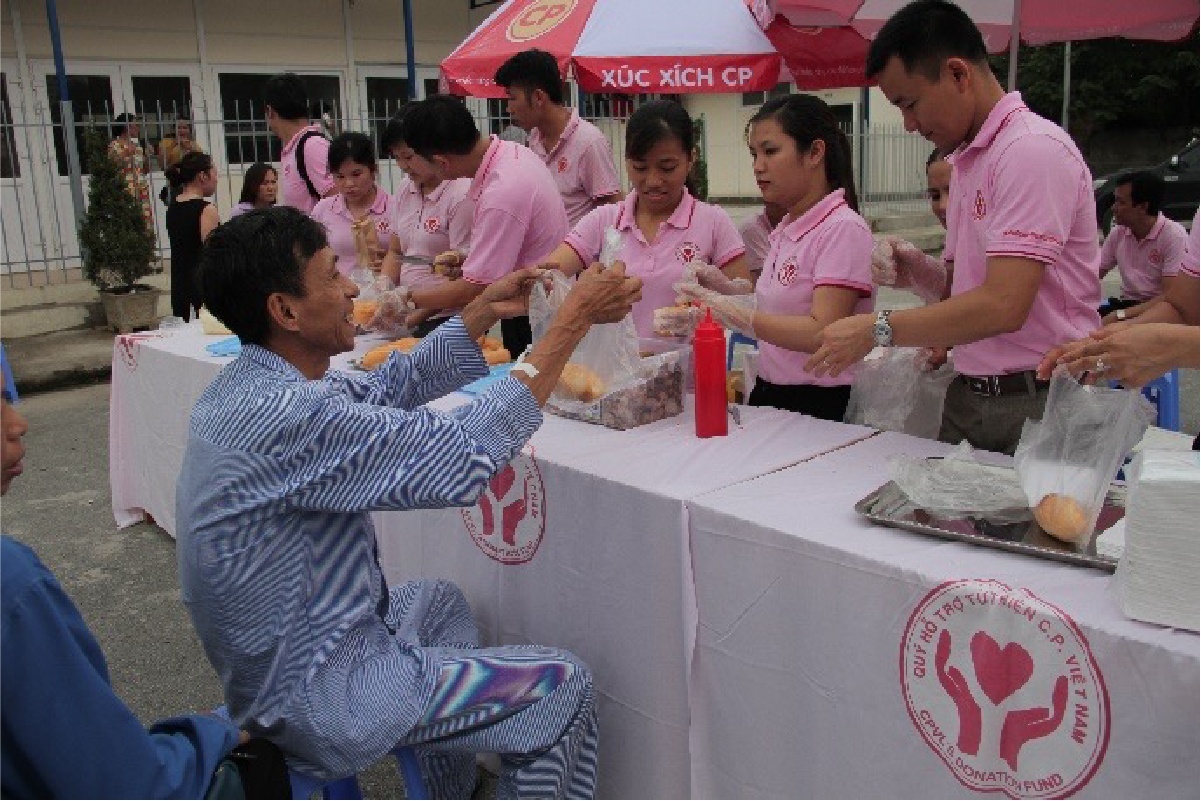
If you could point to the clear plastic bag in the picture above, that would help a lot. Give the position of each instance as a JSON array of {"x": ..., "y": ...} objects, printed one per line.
[
  {"x": 959, "y": 485},
  {"x": 1066, "y": 461},
  {"x": 897, "y": 393},
  {"x": 605, "y": 361}
]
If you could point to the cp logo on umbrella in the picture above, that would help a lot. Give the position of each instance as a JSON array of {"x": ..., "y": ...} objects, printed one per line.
[{"x": 541, "y": 17}]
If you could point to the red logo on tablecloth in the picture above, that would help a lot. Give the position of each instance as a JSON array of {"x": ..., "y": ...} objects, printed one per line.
[
  {"x": 1004, "y": 688},
  {"x": 508, "y": 521},
  {"x": 787, "y": 273},
  {"x": 431, "y": 225},
  {"x": 979, "y": 208},
  {"x": 128, "y": 345},
  {"x": 688, "y": 251}
]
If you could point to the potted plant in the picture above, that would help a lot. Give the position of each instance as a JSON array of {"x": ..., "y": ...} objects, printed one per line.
[{"x": 117, "y": 248}]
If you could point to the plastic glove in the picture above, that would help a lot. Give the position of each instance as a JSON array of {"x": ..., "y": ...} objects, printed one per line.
[
  {"x": 449, "y": 263},
  {"x": 901, "y": 264},
  {"x": 735, "y": 312},
  {"x": 394, "y": 307},
  {"x": 677, "y": 321},
  {"x": 711, "y": 277}
]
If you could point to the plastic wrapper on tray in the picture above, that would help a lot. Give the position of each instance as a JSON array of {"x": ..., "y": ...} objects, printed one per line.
[{"x": 655, "y": 393}]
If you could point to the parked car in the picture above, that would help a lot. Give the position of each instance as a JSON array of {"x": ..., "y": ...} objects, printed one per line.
[{"x": 1181, "y": 187}]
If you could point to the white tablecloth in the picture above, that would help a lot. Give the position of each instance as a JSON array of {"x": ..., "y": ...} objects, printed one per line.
[{"x": 803, "y": 607}]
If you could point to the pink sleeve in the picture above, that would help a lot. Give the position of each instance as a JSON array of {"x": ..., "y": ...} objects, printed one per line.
[
  {"x": 1034, "y": 199},
  {"x": 494, "y": 246},
  {"x": 588, "y": 235},
  {"x": 320, "y": 212},
  {"x": 316, "y": 164},
  {"x": 1105, "y": 257},
  {"x": 727, "y": 242},
  {"x": 599, "y": 174},
  {"x": 461, "y": 213},
  {"x": 845, "y": 256},
  {"x": 1178, "y": 250}
]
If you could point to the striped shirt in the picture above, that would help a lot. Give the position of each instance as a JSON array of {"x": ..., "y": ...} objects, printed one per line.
[{"x": 277, "y": 550}]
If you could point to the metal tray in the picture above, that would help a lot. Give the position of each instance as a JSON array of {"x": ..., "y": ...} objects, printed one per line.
[{"x": 889, "y": 506}]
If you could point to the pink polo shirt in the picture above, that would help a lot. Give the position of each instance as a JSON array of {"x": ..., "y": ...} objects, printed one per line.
[
  {"x": 829, "y": 245},
  {"x": 333, "y": 214},
  {"x": 429, "y": 225},
  {"x": 1188, "y": 265},
  {"x": 519, "y": 218},
  {"x": 1021, "y": 188},
  {"x": 1144, "y": 264},
  {"x": 582, "y": 164},
  {"x": 756, "y": 235},
  {"x": 695, "y": 230},
  {"x": 292, "y": 189}
]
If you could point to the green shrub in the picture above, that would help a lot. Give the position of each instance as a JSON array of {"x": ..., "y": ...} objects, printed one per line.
[{"x": 117, "y": 247}]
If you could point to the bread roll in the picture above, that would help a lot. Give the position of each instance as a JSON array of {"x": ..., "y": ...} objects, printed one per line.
[
  {"x": 488, "y": 343},
  {"x": 495, "y": 356},
  {"x": 378, "y": 355},
  {"x": 579, "y": 382},
  {"x": 364, "y": 310},
  {"x": 1062, "y": 517}
]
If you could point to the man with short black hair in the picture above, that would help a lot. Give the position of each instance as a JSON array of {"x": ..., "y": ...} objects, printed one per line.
[
  {"x": 518, "y": 219},
  {"x": 304, "y": 162},
  {"x": 1145, "y": 245},
  {"x": 286, "y": 460},
  {"x": 577, "y": 153},
  {"x": 1021, "y": 230}
]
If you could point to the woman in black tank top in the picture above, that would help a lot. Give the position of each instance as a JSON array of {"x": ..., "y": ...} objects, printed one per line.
[{"x": 190, "y": 219}]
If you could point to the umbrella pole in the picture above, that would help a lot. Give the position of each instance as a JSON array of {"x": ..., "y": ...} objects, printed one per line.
[
  {"x": 410, "y": 54},
  {"x": 1067, "y": 81},
  {"x": 1015, "y": 37}
]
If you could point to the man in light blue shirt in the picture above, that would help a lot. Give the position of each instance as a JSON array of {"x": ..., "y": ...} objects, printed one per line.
[{"x": 284, "y": 463}]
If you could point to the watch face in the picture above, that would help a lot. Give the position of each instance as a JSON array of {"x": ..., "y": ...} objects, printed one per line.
[{"x": 882, "y": 332}]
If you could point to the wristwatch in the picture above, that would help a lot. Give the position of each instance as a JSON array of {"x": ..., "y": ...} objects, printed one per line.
[
  {"x": 881, "y": 330},
  {"x": 1120, "y": 314}
]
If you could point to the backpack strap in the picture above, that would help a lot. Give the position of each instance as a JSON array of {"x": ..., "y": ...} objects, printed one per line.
[{"x": 300, "y": 165}]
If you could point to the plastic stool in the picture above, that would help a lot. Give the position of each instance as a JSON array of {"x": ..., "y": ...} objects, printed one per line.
[
  {"x": 1164, "y": 392},
  {"x": 304, "y": 785},
  {"x": 735, "y": 340}
]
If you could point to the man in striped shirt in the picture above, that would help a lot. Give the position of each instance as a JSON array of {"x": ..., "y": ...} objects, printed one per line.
[{"x": 285, "y": 461}]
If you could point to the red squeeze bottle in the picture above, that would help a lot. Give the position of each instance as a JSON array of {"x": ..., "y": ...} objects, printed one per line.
[{"x": 709, "y": 364}]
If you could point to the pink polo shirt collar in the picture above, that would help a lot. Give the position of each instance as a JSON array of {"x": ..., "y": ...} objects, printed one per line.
[
  {"x": 412, "y": 188},
  {"x": 681, "y": 218},
  {"x": 997, "y": 119},
  {"x": 1155, "y": 231},
  {"x": 291, "y": 145},
  {"x": 572, "y": 124},
  {"x": 478, "y": 180},
  {"x": 812, "y": 218},
  {"x": 378, "y": 206}
]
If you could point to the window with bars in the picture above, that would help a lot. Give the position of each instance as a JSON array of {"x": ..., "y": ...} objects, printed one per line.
[{"x": 10, "y": 166}]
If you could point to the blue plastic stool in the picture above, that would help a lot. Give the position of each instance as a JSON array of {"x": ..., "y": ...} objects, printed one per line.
[
  {"x": 10, "y": 388},
  {"x": 1164, "y": 392},
  {"x": 304, "y": 785},
  {"x": 735, "y": 340}
]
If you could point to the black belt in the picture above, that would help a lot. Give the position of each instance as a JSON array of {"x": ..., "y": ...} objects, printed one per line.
[{"x": 1023, "y": 383}]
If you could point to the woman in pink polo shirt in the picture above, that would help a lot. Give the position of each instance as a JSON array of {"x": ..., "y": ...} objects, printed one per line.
[
  {"x": 818, "y": 267},
  {"x": 358, "y": 201},
  {"x": 431, "y": 218},
  {"x": 662, "y": 226}
]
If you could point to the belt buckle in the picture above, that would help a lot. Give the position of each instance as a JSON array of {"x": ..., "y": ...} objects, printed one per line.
[
  {"x": 994, "y": 386},
  {"x": 986, "y": 385}
]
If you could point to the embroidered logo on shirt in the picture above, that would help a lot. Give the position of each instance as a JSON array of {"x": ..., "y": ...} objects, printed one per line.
[
  {"x": 1004, "y": 688},
  {"x": 509, "y": 520},
  {"x": 787, "y": 273},
  {"x": 979, "y": 208},
  {"x": 1155, "y": 257},
  {"x": 563, "y": 164},
  {"x": 688, "y": 251},
  {"x": 431, "y": 225},
  {"x": 383, "y": 226}
]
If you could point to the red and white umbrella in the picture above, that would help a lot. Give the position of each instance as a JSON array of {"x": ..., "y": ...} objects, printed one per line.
[
  {"x": 824, "y": 42},
  {"x": 625, "y": 46}
]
